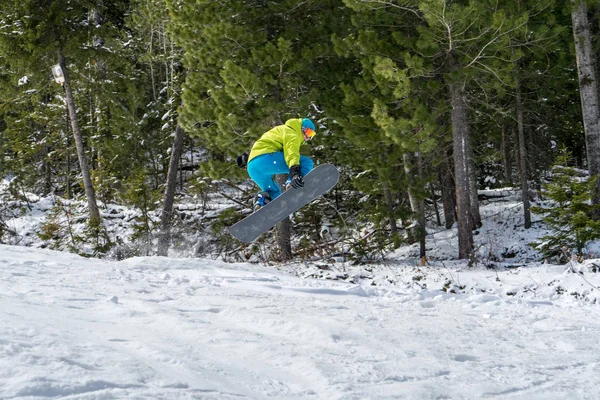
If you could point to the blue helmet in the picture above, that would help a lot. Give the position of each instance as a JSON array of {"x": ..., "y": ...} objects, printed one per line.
[{"x": 307, "y": 123}]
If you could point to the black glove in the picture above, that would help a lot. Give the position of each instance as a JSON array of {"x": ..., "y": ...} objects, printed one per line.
[
  {"x": 297, "y": 180},
  {"x": 242, "y": 160}
]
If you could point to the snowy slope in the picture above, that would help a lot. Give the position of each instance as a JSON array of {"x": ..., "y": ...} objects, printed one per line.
[{"x": 159, "y": 328}]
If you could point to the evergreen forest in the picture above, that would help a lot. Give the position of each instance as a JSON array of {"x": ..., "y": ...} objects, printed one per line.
[{"x": 421, "y": 104}]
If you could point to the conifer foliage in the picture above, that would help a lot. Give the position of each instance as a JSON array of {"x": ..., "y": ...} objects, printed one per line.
[
  {"x": 568, "y": 212},
  {"x": 420, "y": 103}
]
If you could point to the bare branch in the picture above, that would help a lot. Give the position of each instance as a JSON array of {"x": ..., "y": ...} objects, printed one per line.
[{"x": 390, "y": 4}]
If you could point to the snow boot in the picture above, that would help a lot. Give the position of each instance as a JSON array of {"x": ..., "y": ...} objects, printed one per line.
[{"x": 260, "y": 200}]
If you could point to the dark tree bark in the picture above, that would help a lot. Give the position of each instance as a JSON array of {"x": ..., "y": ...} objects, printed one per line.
[
  {"x": 460, "y": 141},
  {"x": 389, "y": 206},
  {"x": 524, "y": 175},
  {"x": 417, "y": 204},
  {"x": 95, "y": 218},
  {"x": 166, "y": 217},
  {"x": 473, "y": 188},
  {"x": 448, "y": 191},
  {"x": 284, "y": 229},
  {"x": 506, "y": 156},
  {"x": 588, "y": 89}
]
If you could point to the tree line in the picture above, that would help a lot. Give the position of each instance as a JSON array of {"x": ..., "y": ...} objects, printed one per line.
[{"x": 419, "y": 102}]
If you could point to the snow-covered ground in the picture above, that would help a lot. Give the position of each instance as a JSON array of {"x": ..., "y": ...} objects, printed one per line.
[
  {"x": 160, "y": 328},
  {"x": 508, "y": 327}
]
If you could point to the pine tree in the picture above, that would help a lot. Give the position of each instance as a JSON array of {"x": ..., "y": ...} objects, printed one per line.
[
  {"x": 251, "y": 66},
  {"x": 378, "y": 134},
  {"x": 49, "y": 31},
  {"x": 529, "y": 111},
  {"x": 445, "y": 55},
  {"x": 163, "y": 76},
  {"x": 569, "y": 216},
  {"x": 588, "y": 87}
]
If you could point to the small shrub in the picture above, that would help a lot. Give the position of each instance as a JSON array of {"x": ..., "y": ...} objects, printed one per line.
[
  {"x": 569, "y": 213},
  {"x": 50, "y": 230}
]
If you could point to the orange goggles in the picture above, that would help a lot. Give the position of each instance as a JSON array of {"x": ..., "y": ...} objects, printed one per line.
[{"x": 308, "y": 133}]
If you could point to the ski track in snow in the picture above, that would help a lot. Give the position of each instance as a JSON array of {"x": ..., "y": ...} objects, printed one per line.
[{"x": 159, "y": 328}]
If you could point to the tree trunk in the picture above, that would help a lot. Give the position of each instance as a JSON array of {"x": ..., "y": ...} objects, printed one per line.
[
  {"x": 436, "y": 208},
  {"x": 506, "y": 156},
  {"x": 2, "y": 127},
  {"x": 588, "y": 89},
  {"x": 389, "y": 206},
  {"x": 460, "y": 141},
  {"x": 284, "y": 229},
  {"x": 421, "y": 212},
  {"x": 448, "y": 191},
  {"x": 68, "y": 138},
  {"x": 473, "y": 188},
  {"x": 524, "y": 175},
  {"x": 97, "y": 20},
  {"x": 46, "y": 168},
  {"x": 166, "y": 217},
  {"x": 416, "y": 202},
  {"x": 95, "y": 218}
]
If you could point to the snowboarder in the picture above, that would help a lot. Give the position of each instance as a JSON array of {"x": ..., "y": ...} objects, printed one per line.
[{"x": 278, "y": 152}]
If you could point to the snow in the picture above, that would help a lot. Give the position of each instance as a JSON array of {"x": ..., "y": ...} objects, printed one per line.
[
  {"x": 163, "y": 328},
  {"x": 510, "y": 326}
]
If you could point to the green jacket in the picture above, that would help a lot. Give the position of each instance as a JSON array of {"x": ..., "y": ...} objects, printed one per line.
[{"x": 287, "y": 138}]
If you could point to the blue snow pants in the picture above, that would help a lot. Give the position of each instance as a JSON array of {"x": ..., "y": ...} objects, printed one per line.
[{"x": 262, "y": 168}]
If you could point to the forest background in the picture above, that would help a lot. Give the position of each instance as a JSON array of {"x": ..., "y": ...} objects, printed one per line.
[{"x": 419, "y": 103}]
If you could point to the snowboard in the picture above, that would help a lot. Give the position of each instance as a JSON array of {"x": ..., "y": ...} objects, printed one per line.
[{"x": 318, "y": 181}]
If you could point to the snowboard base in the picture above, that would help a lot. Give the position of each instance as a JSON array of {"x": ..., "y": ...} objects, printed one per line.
[{"x": 317, "y": 182}]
